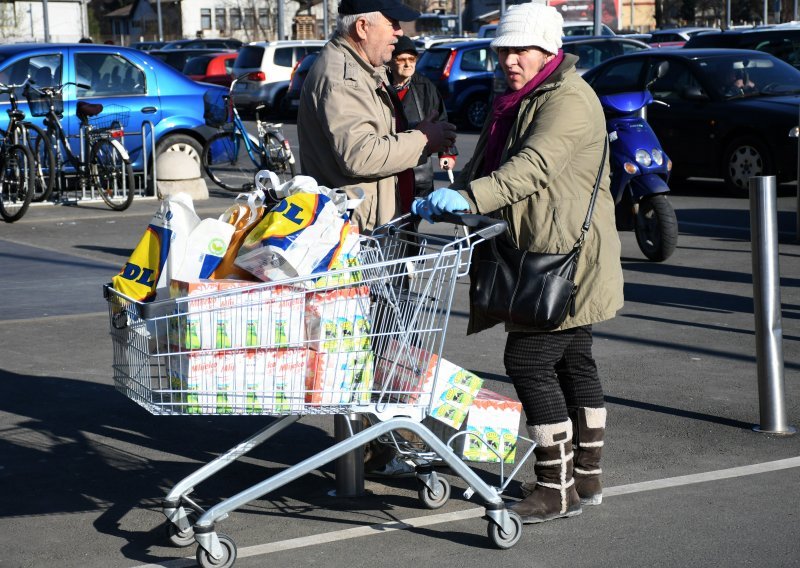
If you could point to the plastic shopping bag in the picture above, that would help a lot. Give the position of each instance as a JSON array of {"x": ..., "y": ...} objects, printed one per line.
[
  {"x": 302, "y": 235},
  {"x": 160, "y": 250},
  {"x": 207, "y": 244},
  {"x": 297, "y": 238},
  {"x": 243, "y": 215}
]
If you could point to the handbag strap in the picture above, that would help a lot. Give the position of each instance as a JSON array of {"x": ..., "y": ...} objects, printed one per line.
[{"x": 588, "y": 220}]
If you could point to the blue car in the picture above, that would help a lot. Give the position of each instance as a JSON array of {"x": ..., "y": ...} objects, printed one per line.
[
  {"x": 145, "y": 88},
  {"x": 463, "y": 72}
]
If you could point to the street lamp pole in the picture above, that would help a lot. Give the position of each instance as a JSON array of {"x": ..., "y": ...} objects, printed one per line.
[
  {"x": 280, "y": 19},
  {"x": 325, "y": 23},
  {"x": 728, "y": 14},
  {"x": 46, "y": 22},
  {"x": 160, "y": 26}
]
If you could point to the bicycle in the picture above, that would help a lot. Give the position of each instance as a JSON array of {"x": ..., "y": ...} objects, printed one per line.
[
  {"x": 16, "y": 171},
  {"x": 108, "y": 169},
  {"x": 23, "y": 132},
  {"x": 232, "y": 156}
]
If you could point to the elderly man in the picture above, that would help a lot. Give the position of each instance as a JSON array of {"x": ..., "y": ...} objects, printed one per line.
[{"x": 347, "y": 122}]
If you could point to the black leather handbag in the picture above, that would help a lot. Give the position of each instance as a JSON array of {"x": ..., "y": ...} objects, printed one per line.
[{"x": 536, "y": 290}]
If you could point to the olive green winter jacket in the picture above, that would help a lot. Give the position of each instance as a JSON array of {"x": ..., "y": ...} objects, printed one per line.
[{"x": 543, "y": 186}]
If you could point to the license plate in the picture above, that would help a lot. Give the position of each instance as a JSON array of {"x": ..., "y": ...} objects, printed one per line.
[{"x": 241, "y": 86}]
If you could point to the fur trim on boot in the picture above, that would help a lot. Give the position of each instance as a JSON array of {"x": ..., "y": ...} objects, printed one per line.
[
  {"x": 589, "y": 426},
  {"x": 553, "y": 495}
]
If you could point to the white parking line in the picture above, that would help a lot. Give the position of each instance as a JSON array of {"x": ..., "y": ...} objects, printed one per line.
[{"x": 428, "y": 520}]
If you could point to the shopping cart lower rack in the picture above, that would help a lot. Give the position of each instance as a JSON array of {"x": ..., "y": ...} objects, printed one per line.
[{"x": 364, "y": 339}]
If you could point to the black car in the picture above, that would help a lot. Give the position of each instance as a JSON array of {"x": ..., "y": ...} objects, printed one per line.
[
  {"x": 218, "y": 43},
  {"x": 178, "y": 58},
  {"x": 783, "y": 43},
  {"x": 723, "y": 113}
]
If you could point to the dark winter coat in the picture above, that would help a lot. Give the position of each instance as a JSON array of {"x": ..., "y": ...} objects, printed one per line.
[{"x": 421, "y": 99}]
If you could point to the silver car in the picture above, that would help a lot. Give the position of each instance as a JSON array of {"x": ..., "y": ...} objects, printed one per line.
[{"x": 265, "y": 69}]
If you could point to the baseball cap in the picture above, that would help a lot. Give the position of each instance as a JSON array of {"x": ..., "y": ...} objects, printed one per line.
[{"x": 392, "y": 9}]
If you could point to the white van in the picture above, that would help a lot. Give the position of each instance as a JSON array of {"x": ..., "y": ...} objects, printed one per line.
[{"x": 267, "y": 68}]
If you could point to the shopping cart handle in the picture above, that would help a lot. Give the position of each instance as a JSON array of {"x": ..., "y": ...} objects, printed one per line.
[{"x": 483, "y": 226}]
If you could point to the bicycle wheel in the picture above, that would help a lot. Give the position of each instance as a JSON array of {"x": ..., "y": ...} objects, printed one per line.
[
  {"x": 44, "y": 158},
  {"x": 279, "y": 158},
  {"x": 111, "y": 175},
  {"x": 16, "y": 182},
  {"x": 226, "y": 161}
]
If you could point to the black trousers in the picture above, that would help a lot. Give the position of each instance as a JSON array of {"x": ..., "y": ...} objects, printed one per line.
[{"x": 553, "y": 371}]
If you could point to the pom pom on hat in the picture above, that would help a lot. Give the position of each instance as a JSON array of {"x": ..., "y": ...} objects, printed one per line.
[{"x": 530, "y": 24}]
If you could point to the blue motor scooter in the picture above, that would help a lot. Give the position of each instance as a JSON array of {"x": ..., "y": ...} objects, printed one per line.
[{"x": 639, "y": 173}]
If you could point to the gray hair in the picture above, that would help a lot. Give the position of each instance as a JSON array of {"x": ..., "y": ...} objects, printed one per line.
[{"x": 345, "y": 22}]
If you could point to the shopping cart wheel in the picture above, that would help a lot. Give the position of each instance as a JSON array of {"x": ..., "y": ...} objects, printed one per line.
[
  {"x": 205, "y": 559},
  {"x": 437, "y": 498},
  {"x": 503, "y": 539},
  {"x": 182, "y": 538}
]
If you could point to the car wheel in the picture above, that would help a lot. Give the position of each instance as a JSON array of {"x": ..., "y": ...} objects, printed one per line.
[
  {"x": 475, "y": 112},
  {"x": 180, "y": 143},
  {"x": 744, "y": 158}
]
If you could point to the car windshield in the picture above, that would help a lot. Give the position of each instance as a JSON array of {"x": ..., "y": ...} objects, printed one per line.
[
  {"x": 249, "y": 56},
  {"x": 197, "y": 65},
  {"x": 751, "y": 76},
  {"x": 433, "y": 60}
]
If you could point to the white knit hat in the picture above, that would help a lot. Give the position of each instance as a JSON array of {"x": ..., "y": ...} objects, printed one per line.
[{"x": 531, "y": 24}]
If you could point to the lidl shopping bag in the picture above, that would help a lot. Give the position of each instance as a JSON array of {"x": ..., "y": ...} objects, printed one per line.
[
  {"x": 160, "y": 251},
  {"x": 297, "y": 238}
]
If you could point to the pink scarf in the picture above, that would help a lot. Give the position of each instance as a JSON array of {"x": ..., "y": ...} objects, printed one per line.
[{"x": 505, "y": 110}]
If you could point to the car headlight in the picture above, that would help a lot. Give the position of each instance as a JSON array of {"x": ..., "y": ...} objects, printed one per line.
[
  {"x": 643, "y": 158},
  {"x": 794, "y": 132},
  {"x": 658, "y": 156}
]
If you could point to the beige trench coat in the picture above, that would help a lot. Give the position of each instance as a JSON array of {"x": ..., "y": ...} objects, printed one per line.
[{"x": 346, "y": 129}]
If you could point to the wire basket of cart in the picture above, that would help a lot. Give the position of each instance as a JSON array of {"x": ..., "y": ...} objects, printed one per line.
[{"x": 365, "y": 338}]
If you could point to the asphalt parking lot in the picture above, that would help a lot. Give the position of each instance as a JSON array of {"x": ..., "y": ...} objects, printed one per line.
[{"x": 688, "y": 482}]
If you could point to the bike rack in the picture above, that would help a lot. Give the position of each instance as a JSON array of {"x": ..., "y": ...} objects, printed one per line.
[{"x": 63, "y": 188}]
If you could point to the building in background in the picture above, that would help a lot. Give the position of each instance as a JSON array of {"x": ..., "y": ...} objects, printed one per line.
[{"x": 23, "y": 21}]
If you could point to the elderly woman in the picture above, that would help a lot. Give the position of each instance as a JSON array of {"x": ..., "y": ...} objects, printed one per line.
[{"x": 535, "y": 166}]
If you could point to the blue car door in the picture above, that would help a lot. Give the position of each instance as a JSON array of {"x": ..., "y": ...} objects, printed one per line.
[{"x": 120, "y": 82}]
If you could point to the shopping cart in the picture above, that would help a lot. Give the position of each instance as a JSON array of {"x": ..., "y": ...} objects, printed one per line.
[{"x": 364, "y": 339}]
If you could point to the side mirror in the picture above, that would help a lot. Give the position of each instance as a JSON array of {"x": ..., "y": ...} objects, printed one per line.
[
  {"x": 694, "y": 94},
  {"x": 663, "y": 67}
]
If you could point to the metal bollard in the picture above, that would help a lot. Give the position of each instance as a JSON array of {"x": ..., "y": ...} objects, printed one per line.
[
  {"x": 767, "y": 306},
  {"x": 349, "y": 467}
]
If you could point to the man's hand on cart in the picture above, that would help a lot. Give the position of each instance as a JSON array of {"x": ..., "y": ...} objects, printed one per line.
[{"x": 442, "y": 200}]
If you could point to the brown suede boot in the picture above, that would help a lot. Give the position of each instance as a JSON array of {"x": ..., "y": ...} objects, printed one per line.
[
  {"x": 554, "y": 495},
  {"x": 589, "y": 426}
]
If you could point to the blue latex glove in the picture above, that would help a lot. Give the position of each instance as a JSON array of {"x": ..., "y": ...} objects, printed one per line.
[
  {"x": 422, "y": 208},
  {"x": 447, "y": 200}
]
